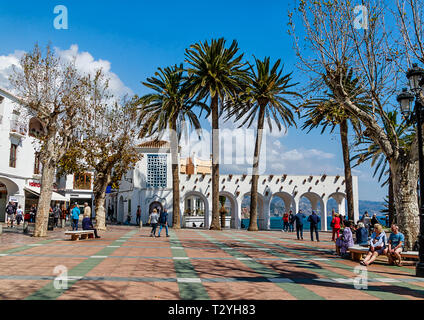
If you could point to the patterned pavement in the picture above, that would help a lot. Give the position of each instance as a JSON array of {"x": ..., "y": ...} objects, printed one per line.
[{"x": 127, "y": 264}]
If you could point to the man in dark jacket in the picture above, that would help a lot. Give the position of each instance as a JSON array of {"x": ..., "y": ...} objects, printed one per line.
[
  {"x": 313, "y": 221},
  {"x": 291, "y": 221},
  {"x": 163, "y": 221},
  {"x": 299, "y": 217}
]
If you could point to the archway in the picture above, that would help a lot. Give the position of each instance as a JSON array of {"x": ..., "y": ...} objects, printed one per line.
[
  {"x": 337, "y": 201},
  {"x": 309, "y": 202},
  {"x": 232, "y": 209},
  {"x": 121, "y": 209},
  {"x": 245, "y": 211},
  {"x": 195, "y": 213},
  {"x": 7, "y": 188},
  {"x": 156, "y": 205},
  {"x": 281, "y": 202}
]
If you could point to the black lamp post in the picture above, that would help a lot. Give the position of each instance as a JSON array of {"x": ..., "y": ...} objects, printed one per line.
[{"x": 405, "y": 99}]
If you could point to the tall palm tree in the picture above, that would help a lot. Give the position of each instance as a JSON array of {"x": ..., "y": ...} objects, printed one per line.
[
  {"x": 372, "y": 151},
  {"x": 218, "y": 73},
  {"x": 265, "y": 97},
  {"x": 168, "y": 108},
  {"x": 325, "y": 112}
]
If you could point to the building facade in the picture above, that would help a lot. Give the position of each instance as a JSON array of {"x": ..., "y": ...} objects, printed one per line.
[{"x": 149, "y": 184}]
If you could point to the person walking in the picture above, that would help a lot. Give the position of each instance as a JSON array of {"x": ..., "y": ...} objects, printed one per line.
[
  {"x": 154, "y": 217},
  {"x": 56, "y": 215},
  {"x": 19, "y": 215},
  {"x": 335, "y": 225},
  {"x": 10, "y": 214},
  {"x": 299, "y": 217},
  {"x": 75, "y": 217},
  {"x": 313, "y": 220},
  {"x": 286, "y": 222},
  {"x": 291, "y": 221},
  {"x": 138, "y": 215},
  {"x": 163, "y": 221}
]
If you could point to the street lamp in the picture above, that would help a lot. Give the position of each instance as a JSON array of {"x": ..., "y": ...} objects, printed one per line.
[{"x": 405, "y": 99}]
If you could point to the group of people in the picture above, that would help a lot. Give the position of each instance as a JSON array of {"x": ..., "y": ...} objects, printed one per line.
[
  {"x": 87, "y": 224},
  {"x": 290, "y": 219},
  {"x": 377, "y": 242},
  {"x": 14, "y": 213},
  {"x": 158, "y": 217}
]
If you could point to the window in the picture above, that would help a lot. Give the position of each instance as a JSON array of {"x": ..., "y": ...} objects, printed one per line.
[
  {"x": 12, "y": 158},
  {"x": 156, "y": 170},
  {"x": 82, "y": 181},
  {"x": 37, "y": 163}
]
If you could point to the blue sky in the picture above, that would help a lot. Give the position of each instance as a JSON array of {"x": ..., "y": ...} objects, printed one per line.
[{"x": 136, "y": 37}]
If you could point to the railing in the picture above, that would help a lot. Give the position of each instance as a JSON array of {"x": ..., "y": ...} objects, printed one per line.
[{"x": 18, "y": 127}]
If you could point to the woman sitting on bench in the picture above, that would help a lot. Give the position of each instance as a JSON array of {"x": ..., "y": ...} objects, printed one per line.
[
  {"x": 378, "y": 245},
  {"x": 88, "y": 225}
]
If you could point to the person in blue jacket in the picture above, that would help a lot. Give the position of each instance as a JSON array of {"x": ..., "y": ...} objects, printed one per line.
[
  {"x": 313, "y": 219},
  {"x": 75, "y": 213},
  {"x": 299, "y": 217}
]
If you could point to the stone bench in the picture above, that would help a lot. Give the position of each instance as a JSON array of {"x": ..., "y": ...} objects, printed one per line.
[
  {"x": 409, "y": 254},
  {"x": 356, "y": 252},
  {"x": 83, "y": 234}
]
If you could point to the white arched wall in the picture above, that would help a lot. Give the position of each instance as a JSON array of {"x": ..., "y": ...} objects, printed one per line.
[
  {"x": 263, "y": 216},
  {"x": 207, "y": 219},
  {"x": 340, "y": 198},
  {"x": 288, "y": 199},
  {"x": 235, "y": 213},
  {"x": 316, "y": 199}
]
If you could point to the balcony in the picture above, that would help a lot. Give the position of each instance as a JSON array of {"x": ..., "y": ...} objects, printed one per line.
[{"x": 18, "y": 129}]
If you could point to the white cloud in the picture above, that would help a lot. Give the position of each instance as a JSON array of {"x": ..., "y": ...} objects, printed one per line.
[{"x": 84, "y": 61}]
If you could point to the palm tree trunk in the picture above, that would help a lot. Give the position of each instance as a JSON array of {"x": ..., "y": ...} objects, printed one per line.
[
  {"x": 391, "y": 208},
  {"x": 176, "y": 224},
  {"x": 253, "y": 225},
  {"x": 347, "y": 168},
  {"x": 215, "y": 225}
]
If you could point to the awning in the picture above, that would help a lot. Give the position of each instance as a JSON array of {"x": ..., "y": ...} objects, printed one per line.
[{"x": 55, "y": 196}]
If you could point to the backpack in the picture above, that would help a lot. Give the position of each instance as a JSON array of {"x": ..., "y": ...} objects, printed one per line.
[{"x": 10, "y": 209}]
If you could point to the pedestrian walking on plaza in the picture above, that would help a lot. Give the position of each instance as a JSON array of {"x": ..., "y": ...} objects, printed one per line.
[
  {"x": 75, "y": 217},
  {"x": 335, "y": 225},
  {"x": 33, "y": 212},
  {"x": 56, "y": 215},
  {"x": 19, "y": 215},
  {"x": 313, "y": 220},
  {"x": 285, "y": 222},
  {"x": 87, "y": 210},
  {"x": 300, "y": 216},
  {"x": 10, "y": 214},
  {"x": 163, "y": 220},
  {"x": 138, "y": 215},
  {"x": 87, "y": 224},
  {"x": 291, "y": 221},
  {"x": 154, "y": 217}
]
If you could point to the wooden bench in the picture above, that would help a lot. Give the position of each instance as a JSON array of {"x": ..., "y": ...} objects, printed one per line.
[
  {"x": 356, "y": 252},
  {"x": 83, "y": 234}
]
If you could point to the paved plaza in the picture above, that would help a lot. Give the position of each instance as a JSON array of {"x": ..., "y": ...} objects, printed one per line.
[{"x": 191, "y": 264}]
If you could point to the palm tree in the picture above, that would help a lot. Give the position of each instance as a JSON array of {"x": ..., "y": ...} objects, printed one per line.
[
  {"x": 327, "y": 113},
  {"x": 372, "y": 151},
  {"x": 266, "y": 96},
  {"x": 168, "y": 108},
  {"x": 215, "y": 72}
]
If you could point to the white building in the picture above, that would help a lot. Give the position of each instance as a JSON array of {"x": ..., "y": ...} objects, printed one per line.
[
  {"x": 20, "y": 168},
  {"x": 149, "y": 185}
]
